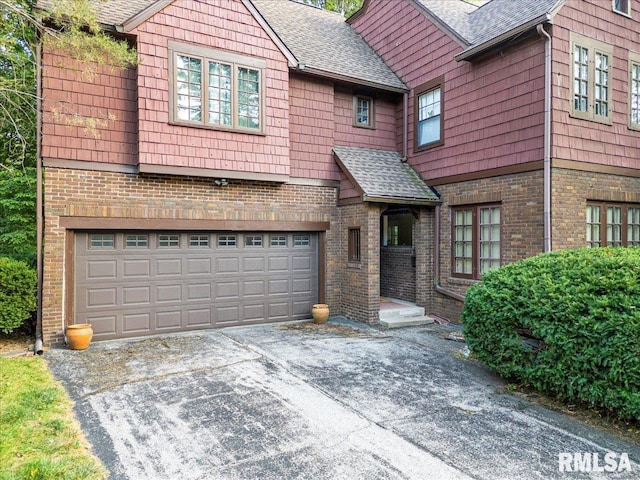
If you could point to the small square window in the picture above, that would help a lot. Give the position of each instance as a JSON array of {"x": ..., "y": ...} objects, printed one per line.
[
  {"x": 301, "y": 240},
  {"x": 354, "y": 245},
  {"x": 196, "y": 241},
  {"x": 168, "y": 240},
  {"x": 363, "y": 111},
  {"x": 226, "y": 240},
  {"x": 136, "y": 241},
  {"x": 105, "y": 240},
  {"x": 253, "y": 240},
  {"x": 278, "y": 240}
]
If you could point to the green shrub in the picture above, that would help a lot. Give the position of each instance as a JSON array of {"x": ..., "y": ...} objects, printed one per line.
[
  {"x": 17, "y": 293},
  {"x": 567, "y": 323}
]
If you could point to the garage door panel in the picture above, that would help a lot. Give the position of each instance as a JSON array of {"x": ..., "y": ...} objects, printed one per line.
[{"x": 133, "y": 284}]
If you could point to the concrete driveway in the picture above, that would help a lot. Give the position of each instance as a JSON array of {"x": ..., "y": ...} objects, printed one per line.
[{"x": 299, "y": 401}]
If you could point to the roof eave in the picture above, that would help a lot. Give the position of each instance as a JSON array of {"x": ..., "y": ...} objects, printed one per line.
[
  {"x": 478, "y": 49},
  {"x": 348, "y": 79},
  {"x": 141, "y": 17},
  {"x": 402, "y": 200}
]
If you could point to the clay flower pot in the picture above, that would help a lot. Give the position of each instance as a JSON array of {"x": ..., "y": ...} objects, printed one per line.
[
  {"x": 320, "y": 313},
  {"x": 79, "y": 336}
]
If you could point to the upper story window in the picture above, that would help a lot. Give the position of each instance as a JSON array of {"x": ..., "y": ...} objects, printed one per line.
[
  {"x": 363, "y": 111},
  {"x": 622, "y": 6},
  {"x": 216, "y": 89},
  {"x": 613, "y": 225},
  {"x": 590, "y": 88},
  {"x": 476, "y": 240},
  {"x": 634, "y": 91},
  {"x": 429, "y": 114}
]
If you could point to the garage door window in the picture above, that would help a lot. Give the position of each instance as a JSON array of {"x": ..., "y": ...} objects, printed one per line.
[
  {"x": 226, "y": 240},
  {"x": 253, "y": 240},
  {"x": 196, "y": 241},
  {"x": 301, "y": 241},
  {"x": 101, "y": 241},
  {"x": 278, "y": 240},
  {"x": 168, "y": 241},
  {"x": 137, "y": 241}
]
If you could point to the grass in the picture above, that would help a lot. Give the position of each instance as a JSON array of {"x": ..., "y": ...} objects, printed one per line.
[{"x": 39, "y": 438}]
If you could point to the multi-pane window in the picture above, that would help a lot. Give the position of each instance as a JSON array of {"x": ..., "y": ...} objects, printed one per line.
[
  {"x": 198, "y": 241},
  {"x": 634, "y": 91},
  {"x": 136, "y": 241},
  {"x": 476, "y": 240},
  {"x": 612, "y": 225},
  {"x": 253, "y": 240},
  {"x": 101, "y": 240},
  {"x": 591, "y": 75},
  {"x": 226, "y": 240},
  {"x": 169, "y": 240},
  {"x": 216, "y": 89},
  {"x": 354, "y": 245},
  {"x": 301, "y": 240},
  {"x": 429, "y": 114},
  {"x": 363, "y": 111},
  {"x": 621, "y": 6},
  {"x": 278, "y": 240}
]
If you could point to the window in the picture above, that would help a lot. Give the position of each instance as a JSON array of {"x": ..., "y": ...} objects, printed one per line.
[
  {"x": 105, "y": 240},
  {"x": 613, "y": 225},
  {"x": 216, "y": 89},
  {"x": 196, "y": 241},
  {"x": 253, "y": 240},
  {"x": 226, "y": 240},
  {"x": 363, "y": 111},
  {"x": 429, "y": 113},
  {"x": 136, "y": 241},
  {"x": 354, "y": 245},
  {"x": 278, "y": 240},
  {"x": 621, "y": 6},
  {"x": 590, "y": 90},
  {"x": 634, "y": 91},
  {"x": 168, "y": 240},
  {"x": 301, "y": 241},
  {"x": 476, "y": 240}
]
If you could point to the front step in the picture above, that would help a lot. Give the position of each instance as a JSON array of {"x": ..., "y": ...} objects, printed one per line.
[{"x": 397, "y": 314}]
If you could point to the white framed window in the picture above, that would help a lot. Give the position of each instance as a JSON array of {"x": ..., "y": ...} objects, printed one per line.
[
  {"x": 168, "y": 240},
  {"x": 476, "y": 232},
  {"x": 622, "y": 6},
  {"x": 136, "y": 241},
  {"x": 590, "y": 79},
  {"x": 363, "y": 111},
  {"x": 227, "y": 240},
  {"x": 198, "y": 241},
  {"x": 634, "y": 91},
  {"x": 253, "y": 240},
  {"x": 278, "y": 240},
  {"x": 429, "y": 114},
  {"x": 301, "y": 241},
  {"x": 101, "y": 240},
  {"x": 216, "y": 89}
]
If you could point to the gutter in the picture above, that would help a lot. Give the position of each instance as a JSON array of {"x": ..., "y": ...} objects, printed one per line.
[
  {"x": 436, "y": 263},
  {"x": 547, "y": 138},
  {"x": 39, "y": 202},
  {"x": 473, "y": 51}
]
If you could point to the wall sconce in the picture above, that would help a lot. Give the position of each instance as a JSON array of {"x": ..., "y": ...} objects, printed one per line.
[{"x": 221, "y": 182}]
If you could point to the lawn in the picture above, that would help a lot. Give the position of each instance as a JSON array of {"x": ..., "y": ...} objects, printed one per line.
[{"x": 39, "y": 438}]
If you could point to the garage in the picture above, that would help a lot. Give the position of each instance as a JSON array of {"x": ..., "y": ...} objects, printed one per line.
[{"x": 130, "y": 284}]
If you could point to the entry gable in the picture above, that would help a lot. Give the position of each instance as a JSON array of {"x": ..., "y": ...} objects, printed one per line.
[{"x": 382, "y": 176}]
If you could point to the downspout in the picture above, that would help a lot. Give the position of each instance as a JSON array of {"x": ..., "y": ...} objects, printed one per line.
[
  {"x": 547, "y": 137},
  {"x": 436, "y": 263},
  {"x": 405, "y": 126},
  {"x": 39, "y": 203}
]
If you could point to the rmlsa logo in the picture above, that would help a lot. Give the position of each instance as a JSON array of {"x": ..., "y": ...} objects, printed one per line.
[{"x": 593, "y": 462}]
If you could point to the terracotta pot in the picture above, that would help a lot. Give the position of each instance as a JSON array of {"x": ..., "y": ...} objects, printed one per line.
[
  {"x": 79, "y": 336},
  {"x": 320, "y": 313}
]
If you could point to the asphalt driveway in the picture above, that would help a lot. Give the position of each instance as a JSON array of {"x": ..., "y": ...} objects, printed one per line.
[{"x": 299, "y": 401}]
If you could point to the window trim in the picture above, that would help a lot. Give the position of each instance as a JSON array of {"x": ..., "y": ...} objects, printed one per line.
[
  {"x": 236, "y": 61},
  {"x": 624, "y": 239},
  {"x": 593, "y": 46},
  {"x": 622, "y": 12},
  {"x": 422, "y": 90},
  {"x": 371, "y": 124},
  {"x": 634, "y": 59},
  {"x": 354, "y": 245},
  {"x": 475, "y": 239}
]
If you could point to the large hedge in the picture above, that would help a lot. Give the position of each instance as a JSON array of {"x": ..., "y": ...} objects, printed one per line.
[
  {"x": 17, "y": 293},
  {"x": 567, "y": 323}
]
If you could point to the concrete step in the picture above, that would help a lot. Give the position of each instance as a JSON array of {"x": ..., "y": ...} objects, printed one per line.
[
  {"x": 401, "y": 311},
  {"x": 403, "y": 321}
]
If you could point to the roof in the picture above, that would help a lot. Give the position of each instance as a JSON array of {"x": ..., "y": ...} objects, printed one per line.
[
  {"x": 324, "y": 43},
  {"x": 382, "y": 176},
  {"x": 495, "y": 19}
]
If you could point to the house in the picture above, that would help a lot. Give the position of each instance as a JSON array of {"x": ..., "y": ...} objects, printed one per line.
[{"x": 267, "y": 155}]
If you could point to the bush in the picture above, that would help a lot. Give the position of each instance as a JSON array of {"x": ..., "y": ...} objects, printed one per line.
[
  {"x": 567, "y": 323},
  {"x": 17, "y": 293}
]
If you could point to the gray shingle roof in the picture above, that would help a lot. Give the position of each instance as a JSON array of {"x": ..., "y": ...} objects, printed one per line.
[
  {"x": 110, "y": 12},
  {"x": 382, "y": 175},
  {"x": 477, "y": 25},
  {"x": 324, "y": 41}
]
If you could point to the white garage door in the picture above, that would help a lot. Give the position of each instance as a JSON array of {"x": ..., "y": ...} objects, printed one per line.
[{"x": 140, "y": 283}]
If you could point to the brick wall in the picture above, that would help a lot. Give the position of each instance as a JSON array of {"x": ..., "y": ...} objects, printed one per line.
[
  {"x": 398, "y": 273},
  {"x": 84, "y": 193}
]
